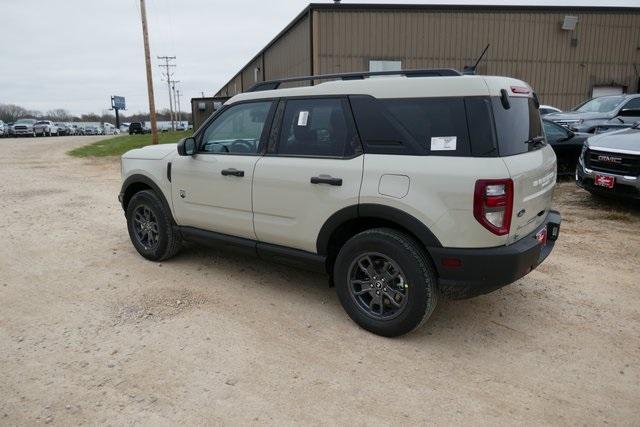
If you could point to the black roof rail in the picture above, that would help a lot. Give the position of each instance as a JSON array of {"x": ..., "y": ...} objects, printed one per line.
[{"x": 429, "y": 72}]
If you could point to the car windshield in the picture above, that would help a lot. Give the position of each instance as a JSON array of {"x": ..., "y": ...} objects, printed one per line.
[
  {"x": 603, "y": 104},
  {"x": 29, "y": 121}
]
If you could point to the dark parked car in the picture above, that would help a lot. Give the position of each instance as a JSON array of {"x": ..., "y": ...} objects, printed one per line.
[
  {"x": 610, "y": 164},
  {"x": 64, "y": 129},
  {"x": 567, "y": 145},
  {"x": 137, "y": 128},
  {"x": 604, "y": 110}
]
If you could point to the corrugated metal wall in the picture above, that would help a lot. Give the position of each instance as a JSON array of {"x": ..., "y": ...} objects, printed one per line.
[
  {"x": 250, "y": 72},
  {"x": 529, "y": 45},
  {"x": 290, "y": 55}
]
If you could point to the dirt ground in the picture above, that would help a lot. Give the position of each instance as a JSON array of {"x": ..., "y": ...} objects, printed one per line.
[{"x": 90, "y": 332}]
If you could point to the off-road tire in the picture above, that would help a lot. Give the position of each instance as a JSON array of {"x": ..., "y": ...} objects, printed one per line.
[
  {"x": 415, "y": 264},
  {"x": 169, "y": 240}
]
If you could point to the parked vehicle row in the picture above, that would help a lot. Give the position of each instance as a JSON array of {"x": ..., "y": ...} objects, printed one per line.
[
  {"x": 33, "y": 127},
  {"x": 598, "y": 143},
  {"x": 136, "y": 128}
]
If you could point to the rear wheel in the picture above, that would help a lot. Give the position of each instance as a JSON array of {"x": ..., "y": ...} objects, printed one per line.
[
  {"x": 385, "y": 281},
  {"x": 150, "y": 227}
]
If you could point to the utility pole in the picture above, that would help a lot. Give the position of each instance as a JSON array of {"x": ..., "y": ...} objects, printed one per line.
[
  {"x": 147, "y": 58},
  {"x": 179, "y": 109},
  {"x": 167, "y": 65},
  {"x": 175, "y": 98}
]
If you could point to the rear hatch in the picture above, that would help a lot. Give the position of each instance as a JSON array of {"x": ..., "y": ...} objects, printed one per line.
[{"x": 530, "y": 161}]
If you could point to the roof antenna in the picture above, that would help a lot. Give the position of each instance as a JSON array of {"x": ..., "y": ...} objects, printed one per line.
[{"x": 470, "y": 70}]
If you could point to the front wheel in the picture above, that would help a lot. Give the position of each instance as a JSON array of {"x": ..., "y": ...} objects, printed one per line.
[
  {"x": 385, "y": 282},
  {"x": 150, "y": 227}
]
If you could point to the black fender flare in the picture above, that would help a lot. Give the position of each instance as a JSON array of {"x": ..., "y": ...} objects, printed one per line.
[
  {"x": 370, "y": 210},
  {"x": 142, "y": 179}
]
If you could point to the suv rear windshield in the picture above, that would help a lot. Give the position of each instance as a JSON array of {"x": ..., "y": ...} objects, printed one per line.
[{"x": 517, "y": 125}]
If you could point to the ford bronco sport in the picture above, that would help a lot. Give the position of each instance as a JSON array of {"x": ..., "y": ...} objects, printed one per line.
[{"x": 403, "y": 189}]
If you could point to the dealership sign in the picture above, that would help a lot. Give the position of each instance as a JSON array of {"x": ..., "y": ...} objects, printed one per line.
[{"x": 117, "y": 102}]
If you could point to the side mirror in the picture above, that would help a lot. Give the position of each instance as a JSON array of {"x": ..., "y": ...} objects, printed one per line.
[
  {"x": 570, "y": 134},
  {"x": 187, "y": 146}
]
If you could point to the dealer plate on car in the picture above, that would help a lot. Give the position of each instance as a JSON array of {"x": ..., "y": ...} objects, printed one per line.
[
  {"x": 604, "y": 181},
  {"x": 541, "y": 236}
]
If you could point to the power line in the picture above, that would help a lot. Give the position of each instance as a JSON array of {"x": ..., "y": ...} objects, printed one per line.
[{"x": 167, "y": 65}]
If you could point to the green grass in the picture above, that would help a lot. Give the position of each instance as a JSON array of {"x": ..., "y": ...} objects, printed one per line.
[{"x": 118, "y": 145}]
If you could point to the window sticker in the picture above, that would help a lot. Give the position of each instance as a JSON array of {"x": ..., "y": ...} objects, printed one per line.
[
  {"x": 303, "y": 117},
  {"x": 443, "y": 143}
]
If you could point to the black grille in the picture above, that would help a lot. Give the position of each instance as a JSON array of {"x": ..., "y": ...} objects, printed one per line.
[{"x": 616, "y": 163}]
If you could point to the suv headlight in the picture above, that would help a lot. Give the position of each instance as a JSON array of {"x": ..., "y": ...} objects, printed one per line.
[{"x": 585, "y": 147}]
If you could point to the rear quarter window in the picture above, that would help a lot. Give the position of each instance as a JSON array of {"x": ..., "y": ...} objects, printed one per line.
[
  {"x": 437, "y": 125},
  {"x": 460, "y": 126}
]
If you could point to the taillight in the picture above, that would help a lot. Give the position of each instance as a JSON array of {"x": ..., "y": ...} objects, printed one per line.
[{"x": 493, "y": 204}]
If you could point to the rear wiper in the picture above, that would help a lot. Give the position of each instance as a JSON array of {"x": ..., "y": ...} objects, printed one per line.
[{"x": 535, "y": 140}]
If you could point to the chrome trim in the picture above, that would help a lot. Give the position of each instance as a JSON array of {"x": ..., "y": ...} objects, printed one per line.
[{"x": 614, "y": 150}]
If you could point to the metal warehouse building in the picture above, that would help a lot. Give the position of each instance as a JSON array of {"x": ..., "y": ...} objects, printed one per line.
[{"x": 567, "y": 54}]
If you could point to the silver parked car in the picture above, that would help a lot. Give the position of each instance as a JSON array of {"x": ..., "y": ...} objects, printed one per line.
[{"x": 597, "y": 112}]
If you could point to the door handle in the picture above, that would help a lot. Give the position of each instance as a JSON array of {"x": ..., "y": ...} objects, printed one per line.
[
  {"x": 232, "y": 172},
  {"x": 326, "y": 179}
]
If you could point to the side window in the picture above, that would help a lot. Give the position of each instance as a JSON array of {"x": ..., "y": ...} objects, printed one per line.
[
  {"x": 237, "y": 130},
  {"x": 553, "y": 131},
  {"x": 317, "y": 127},
  {"x": 634, "y": 105}
]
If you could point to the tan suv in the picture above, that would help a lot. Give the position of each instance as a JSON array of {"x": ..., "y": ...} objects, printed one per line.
[{"x": 403, "y": 189}]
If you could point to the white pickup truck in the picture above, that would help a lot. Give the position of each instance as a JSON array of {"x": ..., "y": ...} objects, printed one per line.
[{"x": 45, "y": 128}]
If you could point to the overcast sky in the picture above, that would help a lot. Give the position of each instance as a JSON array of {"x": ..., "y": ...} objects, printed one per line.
[{"x": 75, "y": 54}]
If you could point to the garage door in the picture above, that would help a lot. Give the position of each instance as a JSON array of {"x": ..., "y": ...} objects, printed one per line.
[{"x": 606, "y": 90}]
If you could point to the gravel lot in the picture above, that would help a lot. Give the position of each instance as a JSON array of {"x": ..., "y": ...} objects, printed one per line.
[{"x": 91, "y": 333}]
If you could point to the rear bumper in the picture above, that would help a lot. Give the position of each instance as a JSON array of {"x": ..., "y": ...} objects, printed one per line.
[{"x": 484, "y": 270}]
